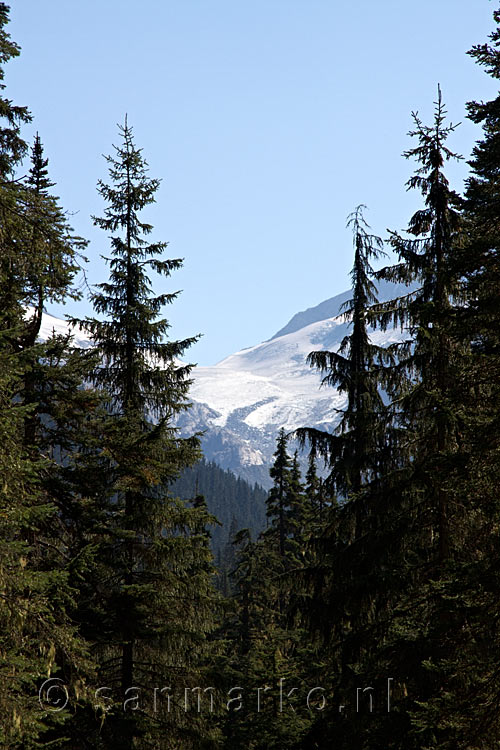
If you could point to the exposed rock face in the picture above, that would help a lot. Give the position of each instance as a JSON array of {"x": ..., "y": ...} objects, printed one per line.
[{"x": 243, "y": 401}]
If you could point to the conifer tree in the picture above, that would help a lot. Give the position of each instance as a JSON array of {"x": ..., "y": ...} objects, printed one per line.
[
  {"x": 12, "y": 145},
  {"x": 249, "y": 634},
  {"x": 49, "y": 255},
  {"x": 300, "y": 520},
  {"x": 278, "y": 502},
  {"x": 424, "y": 376},
  {"x": 52, "y": 250},
  {"x": 422, "y": 498},
  {"x": 36, "y": 600},
  {"x": 384, "y": 588},
  {"x": 267, "y": 641},
  {"x": 467, "y": 712},
  {"x": 352, "y": 454},
  {"x": 12, "y": 150},
  {"x": 39, "y": 637},
  {"x": 158, "y": 595}
]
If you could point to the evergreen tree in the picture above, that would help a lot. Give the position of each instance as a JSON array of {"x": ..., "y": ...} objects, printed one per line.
[
  {"x": 300, "y": 520},
  {"x": 37, "y": 634},
  {"x": 157, "y": 601},
  {"x": 12, "y": 145},
  {"x": 352, "y": 454},
  {"x": 52, "y": 251},
  {"x": 425, "y": 385},
  {"x": 266, "y": 653},
  {"x": 467, "y": 713},
  {"x": 48, "y": 254},
  {"x": 227, "y": 562},
  {"x": 248, "y": 629},
  {"x": 39, "y": 638},
  {"x": 278, "y": 502},
  {"x": 312, "y": 486},
  {"x": 12, "y": 150},
  {"x": 425, "y": 613},
  {"x": 382, "y": 590}
]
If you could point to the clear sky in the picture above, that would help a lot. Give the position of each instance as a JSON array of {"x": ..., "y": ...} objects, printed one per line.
[{"x": 268, "y": 122}]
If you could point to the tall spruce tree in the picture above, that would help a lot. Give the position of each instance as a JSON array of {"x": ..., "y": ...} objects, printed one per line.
[
  {"x": 278, "y": 501},
  {"x": 419, "y": 620},
  {"x": 156, "y": 596},
  {"x": 337, "y": 580},
  {"x": 423, "y": 499},
  {"x": 37, "y": 634},
  {"x": 353, "y": 452},
  {"x": 424, "y": 381},
  {"x": 385, "y": 589},
  {"x": 12, "y": 150},
  {"x": 472, "y": 708},
  {"x": 12, "y": 145},
  {"x": 39, "y": 637},
  {"x": 52, "y": 250},
  {"x": 266, "y": 639}
]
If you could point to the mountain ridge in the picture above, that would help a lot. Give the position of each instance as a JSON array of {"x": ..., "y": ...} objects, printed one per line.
[
  {"x": 240, "y": 403},
  {"x": 332, "y": 307}
]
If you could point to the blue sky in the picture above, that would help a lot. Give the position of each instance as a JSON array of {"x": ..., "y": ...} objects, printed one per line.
[{"x": 268, "y": 122}]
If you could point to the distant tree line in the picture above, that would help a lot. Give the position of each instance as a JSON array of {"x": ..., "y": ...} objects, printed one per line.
[{"x": 233, "y": 501}]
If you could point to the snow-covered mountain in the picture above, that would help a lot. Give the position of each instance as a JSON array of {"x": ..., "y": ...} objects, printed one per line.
[
  {"x": 52, "y": 326},
  {"x": 241, "y": 403}
]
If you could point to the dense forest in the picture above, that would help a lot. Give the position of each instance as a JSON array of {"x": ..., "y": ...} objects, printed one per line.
[
  {"x": 235, "y": 503},
  {"x": 365, "y": 615}
]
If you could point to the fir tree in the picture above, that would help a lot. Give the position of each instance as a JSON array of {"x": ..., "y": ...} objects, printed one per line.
[
  {"x": 466, "y": 711},
  {"x": 39, "y": 638},
  {"x": 278, "y": 502},
  {"x": 425, "y": 494},
  {"x": 424, "y": 376},
  {"x": 315, "y": 494},
  {"x": 158, "y": 593},
  {"x": 352, "y": 454},
  {"x": 423, "y": 498},
  {"x": 12, "y": 150},
  {"x": 381, "y": 590},
  {"x": 12, "y": 145},
  {"x": 37, "y": 635}
]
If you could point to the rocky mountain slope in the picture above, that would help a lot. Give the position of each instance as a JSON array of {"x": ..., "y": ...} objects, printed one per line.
[{"x": 243, "y": 401}]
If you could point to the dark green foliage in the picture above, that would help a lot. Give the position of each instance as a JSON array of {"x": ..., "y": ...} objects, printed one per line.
[
  {"x": 385, "y": 597},
  {"x": 12, "y": 146},
  {"x": 38, "y": 636},
  {"x": 106, "y": 572},
  {"x": 425, "y": 384},
  {"x": 314, "y": 490},
  {"x": 139, "y": 365},
  {"x": 474, "y": 609},
  {"x": 235, "y": 503},
  {"x": 280, "y": 499},
  {"x": 153, "y": 599},
  {"x": 39, "y": 411},
  {"x": 41, "y": 255},
  {"x": 353, "y": 453},
  {"x": 267, "y": 643}
]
